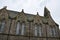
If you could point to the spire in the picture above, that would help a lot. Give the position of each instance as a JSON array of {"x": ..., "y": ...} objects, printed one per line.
[
  {"x": 45, "y": 9},
  {"x": 46, "y": 12}
]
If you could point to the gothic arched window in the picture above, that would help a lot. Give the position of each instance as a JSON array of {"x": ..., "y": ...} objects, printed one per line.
[
  {"x": 38, "y": 30},
  {"x": 52, "y": 31},
  {"x": 18, "y": 28},
  {"x": 2, "y": 25}
]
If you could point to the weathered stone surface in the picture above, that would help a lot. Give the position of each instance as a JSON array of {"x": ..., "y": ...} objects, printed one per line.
[
  {"x": 3, "y": 37},
  {"x": 12, "y": 17}
]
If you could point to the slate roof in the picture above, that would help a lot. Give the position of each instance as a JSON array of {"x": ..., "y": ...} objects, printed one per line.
[{"x": 12, "y": 14}]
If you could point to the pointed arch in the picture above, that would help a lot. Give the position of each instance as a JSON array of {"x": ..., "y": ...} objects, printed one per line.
[
  {"x": 21, "y": 16},
  {"x": 37, "y": 19},
  {"x": 3, "y": 13}
]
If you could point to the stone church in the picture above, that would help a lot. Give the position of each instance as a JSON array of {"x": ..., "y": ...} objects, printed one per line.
[{"x": 23, "y": 26}]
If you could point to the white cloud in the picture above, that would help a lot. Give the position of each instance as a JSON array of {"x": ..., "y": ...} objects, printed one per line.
[{"x": 30, "y": 6}]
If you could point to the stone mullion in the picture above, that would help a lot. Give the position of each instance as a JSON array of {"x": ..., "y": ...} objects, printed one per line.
[
  {"x": 31, "y": 29},
  {"x": 27, "y": 29},
  {"x": 43, "y": 30},
  {"x": 37, "y": 30},
  {"x": 6, "y": 27},
  {"x": 13, "y": 27}
]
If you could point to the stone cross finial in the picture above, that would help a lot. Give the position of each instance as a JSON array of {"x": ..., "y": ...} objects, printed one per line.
[
  {"x": 4, "y": 7},
  {"x": 37, "y": 13},
  {"x": 22, "y": 10}
]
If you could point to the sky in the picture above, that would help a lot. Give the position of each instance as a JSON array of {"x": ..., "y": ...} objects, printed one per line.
[{"x": 34, "y": 6}]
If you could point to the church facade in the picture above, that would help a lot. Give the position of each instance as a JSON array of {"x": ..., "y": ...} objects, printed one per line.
[{"x": 23, "y": 26}]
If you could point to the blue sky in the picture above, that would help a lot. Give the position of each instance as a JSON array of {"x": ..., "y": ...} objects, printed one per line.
[{"x": 33, "y": 6}]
